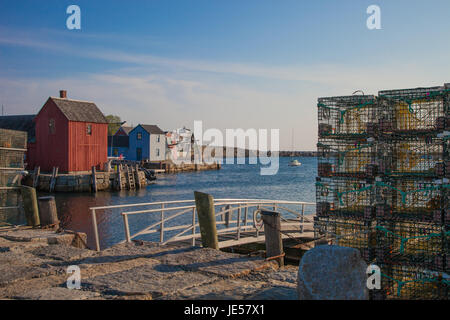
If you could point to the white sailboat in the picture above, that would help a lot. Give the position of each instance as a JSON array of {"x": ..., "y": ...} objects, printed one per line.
[{"x": 294, "y": 162}]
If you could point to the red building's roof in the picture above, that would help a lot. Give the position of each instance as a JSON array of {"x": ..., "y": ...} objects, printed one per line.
[{"x": 80, "y": 111}]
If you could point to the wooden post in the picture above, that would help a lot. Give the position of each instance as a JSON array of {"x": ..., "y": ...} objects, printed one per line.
[
  {"x": 30, "y": 205},
  {"x": 94, "y": 179},
  {"x": 127, "y": 228},
  {"x": 206, "y": 219},
  {"x": 193, "y": 227},
  {"x": 47, "y": 211},
  {"x": 36, "y": 173},
  {"x": 137, "y": 181},
  {"x": 161, "y": 229},
  {"x": 119, "y": 178},
  {"x": 274, "y": 242},
  {"x": 53, "y": 180}
]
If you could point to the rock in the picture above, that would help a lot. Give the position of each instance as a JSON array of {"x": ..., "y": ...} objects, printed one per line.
[
  {"x": 152, "y": 280},
  {"x": 332, "y": 273},
  {"x": 57, "y": 293},
  {"x": 62, "y": 253}
]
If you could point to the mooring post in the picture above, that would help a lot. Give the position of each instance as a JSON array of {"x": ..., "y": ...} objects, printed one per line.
[
  {"x": 274, "y": 242},
  {"x": 206, "y": 219},
  {"x": 30, "y": 205},
  {"x": 48, "y": 214}
]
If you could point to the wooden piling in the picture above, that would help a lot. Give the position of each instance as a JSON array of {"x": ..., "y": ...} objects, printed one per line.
[
  {"x": 94, "y": 179},
  {"x": 119, "y": 178},
  {"x": 36, "y": 173},
  {"x": 136, "y": 177},
  {"x": 206, "y": 219},
  {"x": 48, "y": 214},
  {"x": 274, "y": 242},
  {"x": 53, "y": 180},
  {"x": 30, "y": 205}
]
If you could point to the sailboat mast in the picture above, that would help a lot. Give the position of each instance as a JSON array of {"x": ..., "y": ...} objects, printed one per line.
[{"x": 292, "y": 143}]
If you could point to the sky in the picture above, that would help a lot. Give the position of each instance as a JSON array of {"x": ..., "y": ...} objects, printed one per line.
[{"x": 232, "y": 64}]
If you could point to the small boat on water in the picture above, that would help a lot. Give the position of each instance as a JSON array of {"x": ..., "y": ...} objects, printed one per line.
[{"x": 294, "y": 163}]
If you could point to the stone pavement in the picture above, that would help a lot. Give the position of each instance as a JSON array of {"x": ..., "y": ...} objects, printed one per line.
[{"x": 38, "y": 270}]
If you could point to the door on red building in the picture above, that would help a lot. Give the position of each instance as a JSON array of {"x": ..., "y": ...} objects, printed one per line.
[{"x": 138, "y": 154}]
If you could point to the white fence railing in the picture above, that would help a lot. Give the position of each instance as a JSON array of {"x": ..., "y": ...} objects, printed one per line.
[{"x": 233, "y": 216}]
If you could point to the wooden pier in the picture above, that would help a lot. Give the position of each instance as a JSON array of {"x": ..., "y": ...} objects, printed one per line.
[{"x": 238, "y": 221}]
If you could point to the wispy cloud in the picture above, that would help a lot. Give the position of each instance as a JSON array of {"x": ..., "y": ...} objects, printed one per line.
[{"x": 174, "y": 92}]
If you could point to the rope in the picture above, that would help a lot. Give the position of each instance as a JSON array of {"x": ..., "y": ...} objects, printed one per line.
[
  {"x": 404, "y": 194},
  {"x": 358, "y": 106},
  {"x": 402, "y": 283},
  {"x": 410, "y": 101},
  {"x": 404, "y": 240},
  {"x": 343, "y": 153}
]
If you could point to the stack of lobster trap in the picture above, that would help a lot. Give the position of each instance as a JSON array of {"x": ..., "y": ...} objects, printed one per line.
[{"x": 383, "y": 185}]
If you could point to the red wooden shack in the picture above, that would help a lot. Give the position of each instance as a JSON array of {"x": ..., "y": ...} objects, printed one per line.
[{"x": 71, "y": 135}]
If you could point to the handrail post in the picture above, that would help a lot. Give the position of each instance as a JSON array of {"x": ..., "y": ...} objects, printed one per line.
[
  {"x": 193, "y": 227},
  {"x": 239, "y": 223},
  {"x": 258, "y": 208},
  {"x": 227, "y": 215},
  {"x": 94, "y": 224},
  {"x": 302, "y": 220},
  {"x": 246, "y": 214},
  {"x": 161, "y": 232},
  {"x": 127, "y": 227}
]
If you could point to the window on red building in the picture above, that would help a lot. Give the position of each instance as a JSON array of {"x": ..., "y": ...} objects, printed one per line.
[
  {"x": 51, "y": 126},
  {"x": 89, "y": 129}
]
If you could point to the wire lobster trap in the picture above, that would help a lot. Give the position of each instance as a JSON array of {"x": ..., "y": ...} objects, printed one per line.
[
  {"x": 13, "y": 139},
  {"x": 11, "y": 158},
  {"x": 404, "y": 282},
  {"x": 411, "y": 199},
  {"x": 345, "y": 197},
  {"x": 11, "y": 211},
  {"x": 415, "y": 156},
  {"x": 415, "y": 111},
  {"x": 346, "y": 232},
  {"x": 411, "y": 243},
  {"x": 346, "y": 158},
  {"x": 443, "y": 168},
  {"x": 345, "y": 116}
]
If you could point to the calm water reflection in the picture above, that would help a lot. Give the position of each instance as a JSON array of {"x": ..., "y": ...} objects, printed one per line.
[{"x": 233, "y": 181}]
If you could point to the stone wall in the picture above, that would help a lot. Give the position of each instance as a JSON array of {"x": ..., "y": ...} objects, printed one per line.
[{"x": 173, "y": 168}]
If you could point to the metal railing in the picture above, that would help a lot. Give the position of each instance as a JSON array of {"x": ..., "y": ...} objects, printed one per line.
[{"x": 235, "y": 216}]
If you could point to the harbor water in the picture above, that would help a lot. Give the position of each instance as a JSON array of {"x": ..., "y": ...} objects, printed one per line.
[{"x": 241, "y": 181}]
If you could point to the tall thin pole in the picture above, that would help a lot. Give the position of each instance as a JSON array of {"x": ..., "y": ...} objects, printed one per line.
[{"x": 292, "y": 143}]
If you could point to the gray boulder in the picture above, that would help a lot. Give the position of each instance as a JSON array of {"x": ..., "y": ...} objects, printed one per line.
[{"x": 332, "y": 273}]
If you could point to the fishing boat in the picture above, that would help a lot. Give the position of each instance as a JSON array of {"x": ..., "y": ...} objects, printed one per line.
[{"x": 294, "y": 163}]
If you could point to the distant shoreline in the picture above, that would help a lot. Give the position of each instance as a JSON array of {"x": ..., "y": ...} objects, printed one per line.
[{"x": 250, "y": 153}]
